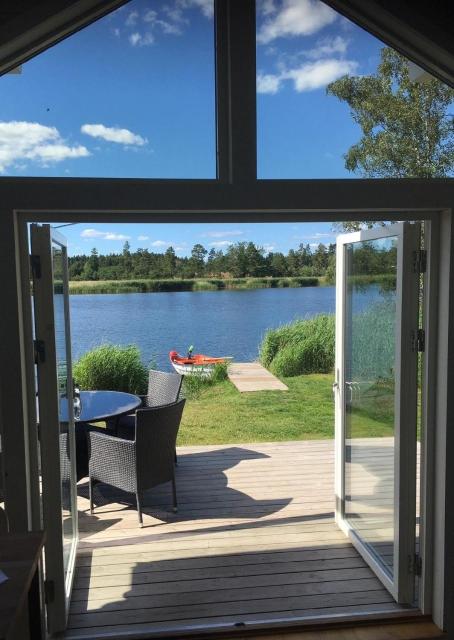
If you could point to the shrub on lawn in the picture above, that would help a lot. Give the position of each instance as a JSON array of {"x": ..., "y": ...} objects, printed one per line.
[
  {"x": 112, "y": 367},
  {"x": 304, "y": 346},
  {"x": 195, "y": 383}
]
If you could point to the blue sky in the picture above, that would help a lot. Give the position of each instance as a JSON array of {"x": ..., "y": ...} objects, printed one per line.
[
  {"x": 133, "y": 96},
  {"x": 110, "y": 238}
]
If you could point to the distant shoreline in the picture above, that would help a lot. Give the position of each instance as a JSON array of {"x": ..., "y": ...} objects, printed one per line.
[{"x": 199, "y": 284}]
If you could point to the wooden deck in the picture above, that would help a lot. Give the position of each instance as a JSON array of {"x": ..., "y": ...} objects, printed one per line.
[
  {"x": 251, "y": 376},
  {"x": 254, "y": 540}
]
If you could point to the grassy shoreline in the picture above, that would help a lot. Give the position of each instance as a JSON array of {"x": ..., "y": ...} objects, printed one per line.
[{"x": 199, "y": 284}]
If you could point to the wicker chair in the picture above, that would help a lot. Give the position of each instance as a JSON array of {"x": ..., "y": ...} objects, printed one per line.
[
  {"x": 142, "y": 463},
  {"x": 163, "y": 388}
]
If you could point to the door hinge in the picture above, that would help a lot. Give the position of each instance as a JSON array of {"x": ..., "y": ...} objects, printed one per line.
[
  {"x": 35, "y": 266},
  {"x": 418, "y": 340},
  {"x": 40, "y": 351},
  {"x": 49, "y": 591},
  {"x": 420, "y": 261}
]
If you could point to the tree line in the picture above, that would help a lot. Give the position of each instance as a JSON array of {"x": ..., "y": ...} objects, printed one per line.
[{"x": 240, "y": 260}]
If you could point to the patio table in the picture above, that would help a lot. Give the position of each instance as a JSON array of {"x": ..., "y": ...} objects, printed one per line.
[{"x": 102, "y": 405}]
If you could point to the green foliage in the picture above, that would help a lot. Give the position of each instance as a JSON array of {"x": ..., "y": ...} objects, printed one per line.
[
  {"x": 407, "y": 131},
  {"x": 241, "y": 260},
  {"x": 195, "y": 383},
  {"x": 306, "y": 411},
  {"x": 304, "y": 346},
  {"x": 212, "y": 284},
  {"x": 113, "y": 368}
]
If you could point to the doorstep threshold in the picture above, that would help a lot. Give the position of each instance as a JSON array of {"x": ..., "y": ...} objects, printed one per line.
[{"x": 408, "y": 624}]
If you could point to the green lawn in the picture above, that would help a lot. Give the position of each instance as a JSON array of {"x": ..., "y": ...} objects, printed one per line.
[{"x": 222, "y": 415}]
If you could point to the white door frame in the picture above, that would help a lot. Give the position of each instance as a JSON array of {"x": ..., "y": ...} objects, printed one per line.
[
  {"x": 46, "y": 212},
  {"x": 406, "y": 367}
]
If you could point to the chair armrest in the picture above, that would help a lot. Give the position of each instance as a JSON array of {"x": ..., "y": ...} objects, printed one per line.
[{"x": 112, "y": 460}]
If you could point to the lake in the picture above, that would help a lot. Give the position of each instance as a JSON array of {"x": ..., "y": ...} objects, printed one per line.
[{"x": 218, "y": 323}]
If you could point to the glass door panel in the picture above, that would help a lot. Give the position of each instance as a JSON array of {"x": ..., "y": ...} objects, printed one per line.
[
  {"x": 55, "y": 399},
  {"x": 370, "y": 355},
  {"x": 376, "y": 381}
]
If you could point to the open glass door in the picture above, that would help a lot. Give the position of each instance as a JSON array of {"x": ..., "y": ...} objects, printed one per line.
[
  {"x": 377, "y": 298},
  {"x": 57, "y": 438}
]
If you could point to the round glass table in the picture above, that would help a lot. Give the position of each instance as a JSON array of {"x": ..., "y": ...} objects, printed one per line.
[{"x": 96, "y": 406}]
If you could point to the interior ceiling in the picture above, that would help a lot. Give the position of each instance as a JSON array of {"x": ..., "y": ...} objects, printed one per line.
[{"x": 423, "y": 31}]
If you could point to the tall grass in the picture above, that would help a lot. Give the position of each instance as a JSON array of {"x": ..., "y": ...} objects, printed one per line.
[
  {"x": 195, "y": 383},
  {"x": 113, "y": 368},
  {"x": 190, "y": 284},
  {"x": 304, "y": 346}
]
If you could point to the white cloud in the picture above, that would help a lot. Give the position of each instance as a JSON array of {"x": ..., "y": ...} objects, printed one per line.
[
  {"x": 103, "y": 235},
  {"x": 308, "y": 77},
  {"x": 171, "y": 19},
  {"x": 160, "y": 243},
  {"x": 222, "y": 234},
  {"x": 315, "y": 236},
  {"x": 327, "y": 47},
  {"x": 143, "y": 238},
  {"x": 169, "y": 28},
  {"x": 205, "y": 6},
  {"x": 141, "y": 39},
  {"x": 221, "y": 243},
  {"x": 268, "y": 248},
  {"x": 318, "y": 74},
  {"x": 132, "y": 18},
  {"x": 113, "y": 134},
  {"x": 295, "y": 18},
  {"x": 268, "y": 83},
  {"x": 22, "y": 141}
]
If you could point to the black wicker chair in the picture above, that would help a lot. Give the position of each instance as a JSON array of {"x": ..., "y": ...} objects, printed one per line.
[
  {"x": 163, "y": 388},
  {"x": 142, "y": 463}
]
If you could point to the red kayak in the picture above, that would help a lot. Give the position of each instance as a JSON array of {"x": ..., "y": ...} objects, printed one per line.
[{"x": 197, "y": 363}]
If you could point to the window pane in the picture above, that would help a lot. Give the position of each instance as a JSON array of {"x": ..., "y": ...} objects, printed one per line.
[
  {"x": 322, "y": 111},
  {"x": 132, "y": 95}
]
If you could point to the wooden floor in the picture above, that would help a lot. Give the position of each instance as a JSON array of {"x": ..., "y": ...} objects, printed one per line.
[
  {"x": 254, "y": 540},
  {"x": 251, "y": 376}
]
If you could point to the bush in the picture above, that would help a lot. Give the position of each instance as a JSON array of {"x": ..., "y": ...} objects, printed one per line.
[
  {"x": 113, "y": 368},
  {"x": 195, "y": 383},
  {"x": 304, "y": 346}
]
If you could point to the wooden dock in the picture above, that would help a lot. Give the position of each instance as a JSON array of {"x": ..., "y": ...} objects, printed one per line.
[
  {"x": 254, "y": 540},
  {"x": 251, "y": 376}
]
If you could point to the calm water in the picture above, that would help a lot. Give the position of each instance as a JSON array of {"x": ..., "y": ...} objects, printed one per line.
[{"x": 216, "y": 322}]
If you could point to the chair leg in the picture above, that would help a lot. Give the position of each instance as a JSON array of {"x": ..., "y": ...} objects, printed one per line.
[
  {"x": 139, "y": 509},
  {"x": 174, "y": 491},
  {"x": 90, "y": 493}
]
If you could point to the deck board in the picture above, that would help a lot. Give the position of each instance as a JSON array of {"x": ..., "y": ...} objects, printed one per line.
[
  {"x": 254, "y": 540},
  {"x": 252, "y": 376}
]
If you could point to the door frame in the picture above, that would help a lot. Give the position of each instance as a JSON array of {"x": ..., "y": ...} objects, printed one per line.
[
  {"x": 400, "y": 584},
  {"x": 434, "y": 392}
]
